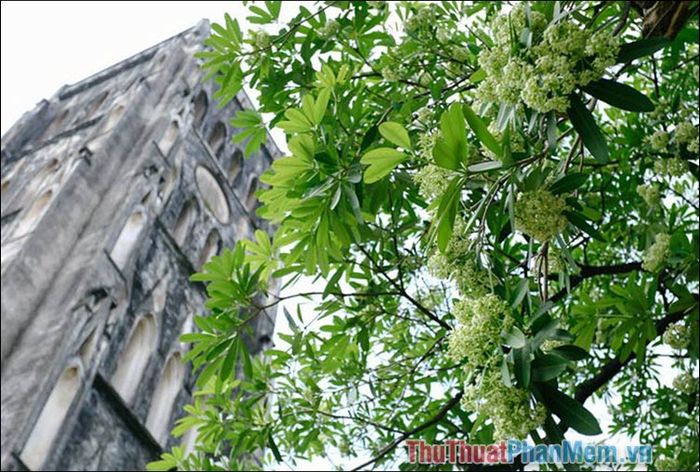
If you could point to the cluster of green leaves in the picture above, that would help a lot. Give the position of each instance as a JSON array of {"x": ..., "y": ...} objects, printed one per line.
[{"x": 370, "y": 370}]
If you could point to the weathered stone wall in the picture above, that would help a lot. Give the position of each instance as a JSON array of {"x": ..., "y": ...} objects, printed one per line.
[{"x": 113, "y": 193}]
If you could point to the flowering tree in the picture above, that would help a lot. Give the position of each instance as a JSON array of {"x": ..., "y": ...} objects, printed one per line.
[{"x": 502, "y": 204}]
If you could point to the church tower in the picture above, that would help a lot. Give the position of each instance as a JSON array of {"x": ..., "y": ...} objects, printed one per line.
[{"x": 114, "y": 192}]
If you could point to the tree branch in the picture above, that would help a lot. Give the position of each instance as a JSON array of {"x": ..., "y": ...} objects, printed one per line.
[
  {"x": 434, "y": 420},
  {"x": 615, "y": 366},
  {"x": 404, "y": 293},
  {"x": 591, "y": 271}
]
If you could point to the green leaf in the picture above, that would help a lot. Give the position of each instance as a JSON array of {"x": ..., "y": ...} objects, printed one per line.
[
  {"x": 584, "y": 123},
  {"x": 569, "y": 410},
  {"x": 521, "y": 362},
  {"x": 505, "y": 373},
  {"x": 631, "y": 51},
  {"x": 515, "y": 338},
  {"x": 570, "y": 352},
  {"x": 481, "y": 130},
  {"x": 274, "y": 8},
  {"x": 477, "y": 76},
  {"x": 485, "y": 166},
  {"x": 551, "y": 132},
  {"x": 247, "y": 364},
  {"x": 543, "y": 328},
  {"x": 303, "y": 146},
  {"x": 167, "y": 463},
  {"x": 578, "y": 220},
  {"x": 207, "y": 373},
  {"x": 395, "y": 133},
  {"x": 319, "y": 107},
  {"x": 290, "y": 320},
  {"x": 246, "y": 119},
  {"x": 443, "y": 155},
  {"x": 568, "y": 183},
  {"x": 619, "y": 95},
  {"x": 381, "y": 162},
  {"x": 446, "y": 213},
  {"x": 273, "y": 447},
  {"x": 233, "y": 28},
  {"x": 519, "y": 293},
  {"x": 548, "y": 367},
  {"x": 451, "y": 149},
  {"x": 297, "y": 122},
  {"x": 229, "y": 363}
]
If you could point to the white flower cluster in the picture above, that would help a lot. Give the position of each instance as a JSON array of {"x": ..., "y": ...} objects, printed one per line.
[
  {"x": 477, "y": 338},
  {"x": 659, "y": 140},
  {"x": 666, "y": 463},
  {"x": 677, "y": 336},
  {"x": 685, "y": 383},
  {"x": 539, "y": 214},
  {"x": 650, "y": 193},
  {"x": 424, "y": 116},
  {"x": 426, "y": 143},
  {"x": 442, "y": 35},
  {"x": 478, "y": 333},
  {"x": 329, "y": 30},
  {"x": 673, "y": 167},
  {"x": 460, "y": 53},
  {"x": 458, "y": 264},
  {"x": 687, "y": 134},
  {"x": 390, "y": 74},
  {"x": 422, "y": 18},
  {"x": 656, "y": 254},
  {"x": 425, "y": 79},
  {"x": 560, "y": 57},
  {"x": 432, "y": 181},
  {"x": 260, "y": 39},
  {"x": 510, "y": 408}
]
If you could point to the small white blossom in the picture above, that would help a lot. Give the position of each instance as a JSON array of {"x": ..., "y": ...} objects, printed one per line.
[
  {"x": 329, "y": 30},
  {"x": 659, "y": 140},
  {"x": 685, "y": 383},
  {"x": 650, "y": 193},
  {"x": 511, "y": 409},
  {"x": 685, "y": 132},
  {"x": 673, "y": 167},
  {"x": 478, "y": 333},
  {"x": 550, "y": 344},
  {"x": 677, "y": 336},
  {"x": 432, "y": 181},
  {"x": 424, "y": 116},
  {"x": 539, "y": 214},
  {"x": 655, "y": 256},
  {"x": 442, "y": 35},
  {"x": 261, "y": 39},
  {"x": 460, "y": 53},
  {"x": 667, "y": 463},
  {"x": 425, "y": 79},
  {"x": 390, "y": 74},
  {"x": 546, "y": 73}
]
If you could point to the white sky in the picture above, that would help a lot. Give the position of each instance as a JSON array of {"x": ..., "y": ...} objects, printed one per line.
[{"x": 46, "y": 45}]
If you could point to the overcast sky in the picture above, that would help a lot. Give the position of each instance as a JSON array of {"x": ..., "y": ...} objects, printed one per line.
[{"x": 49, "y": 44}]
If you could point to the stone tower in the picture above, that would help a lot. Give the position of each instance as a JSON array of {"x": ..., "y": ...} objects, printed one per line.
[{"x": 113, "y": 193}]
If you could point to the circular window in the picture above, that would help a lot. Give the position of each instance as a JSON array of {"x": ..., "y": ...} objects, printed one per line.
[{"x": 212, "y": 193}]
